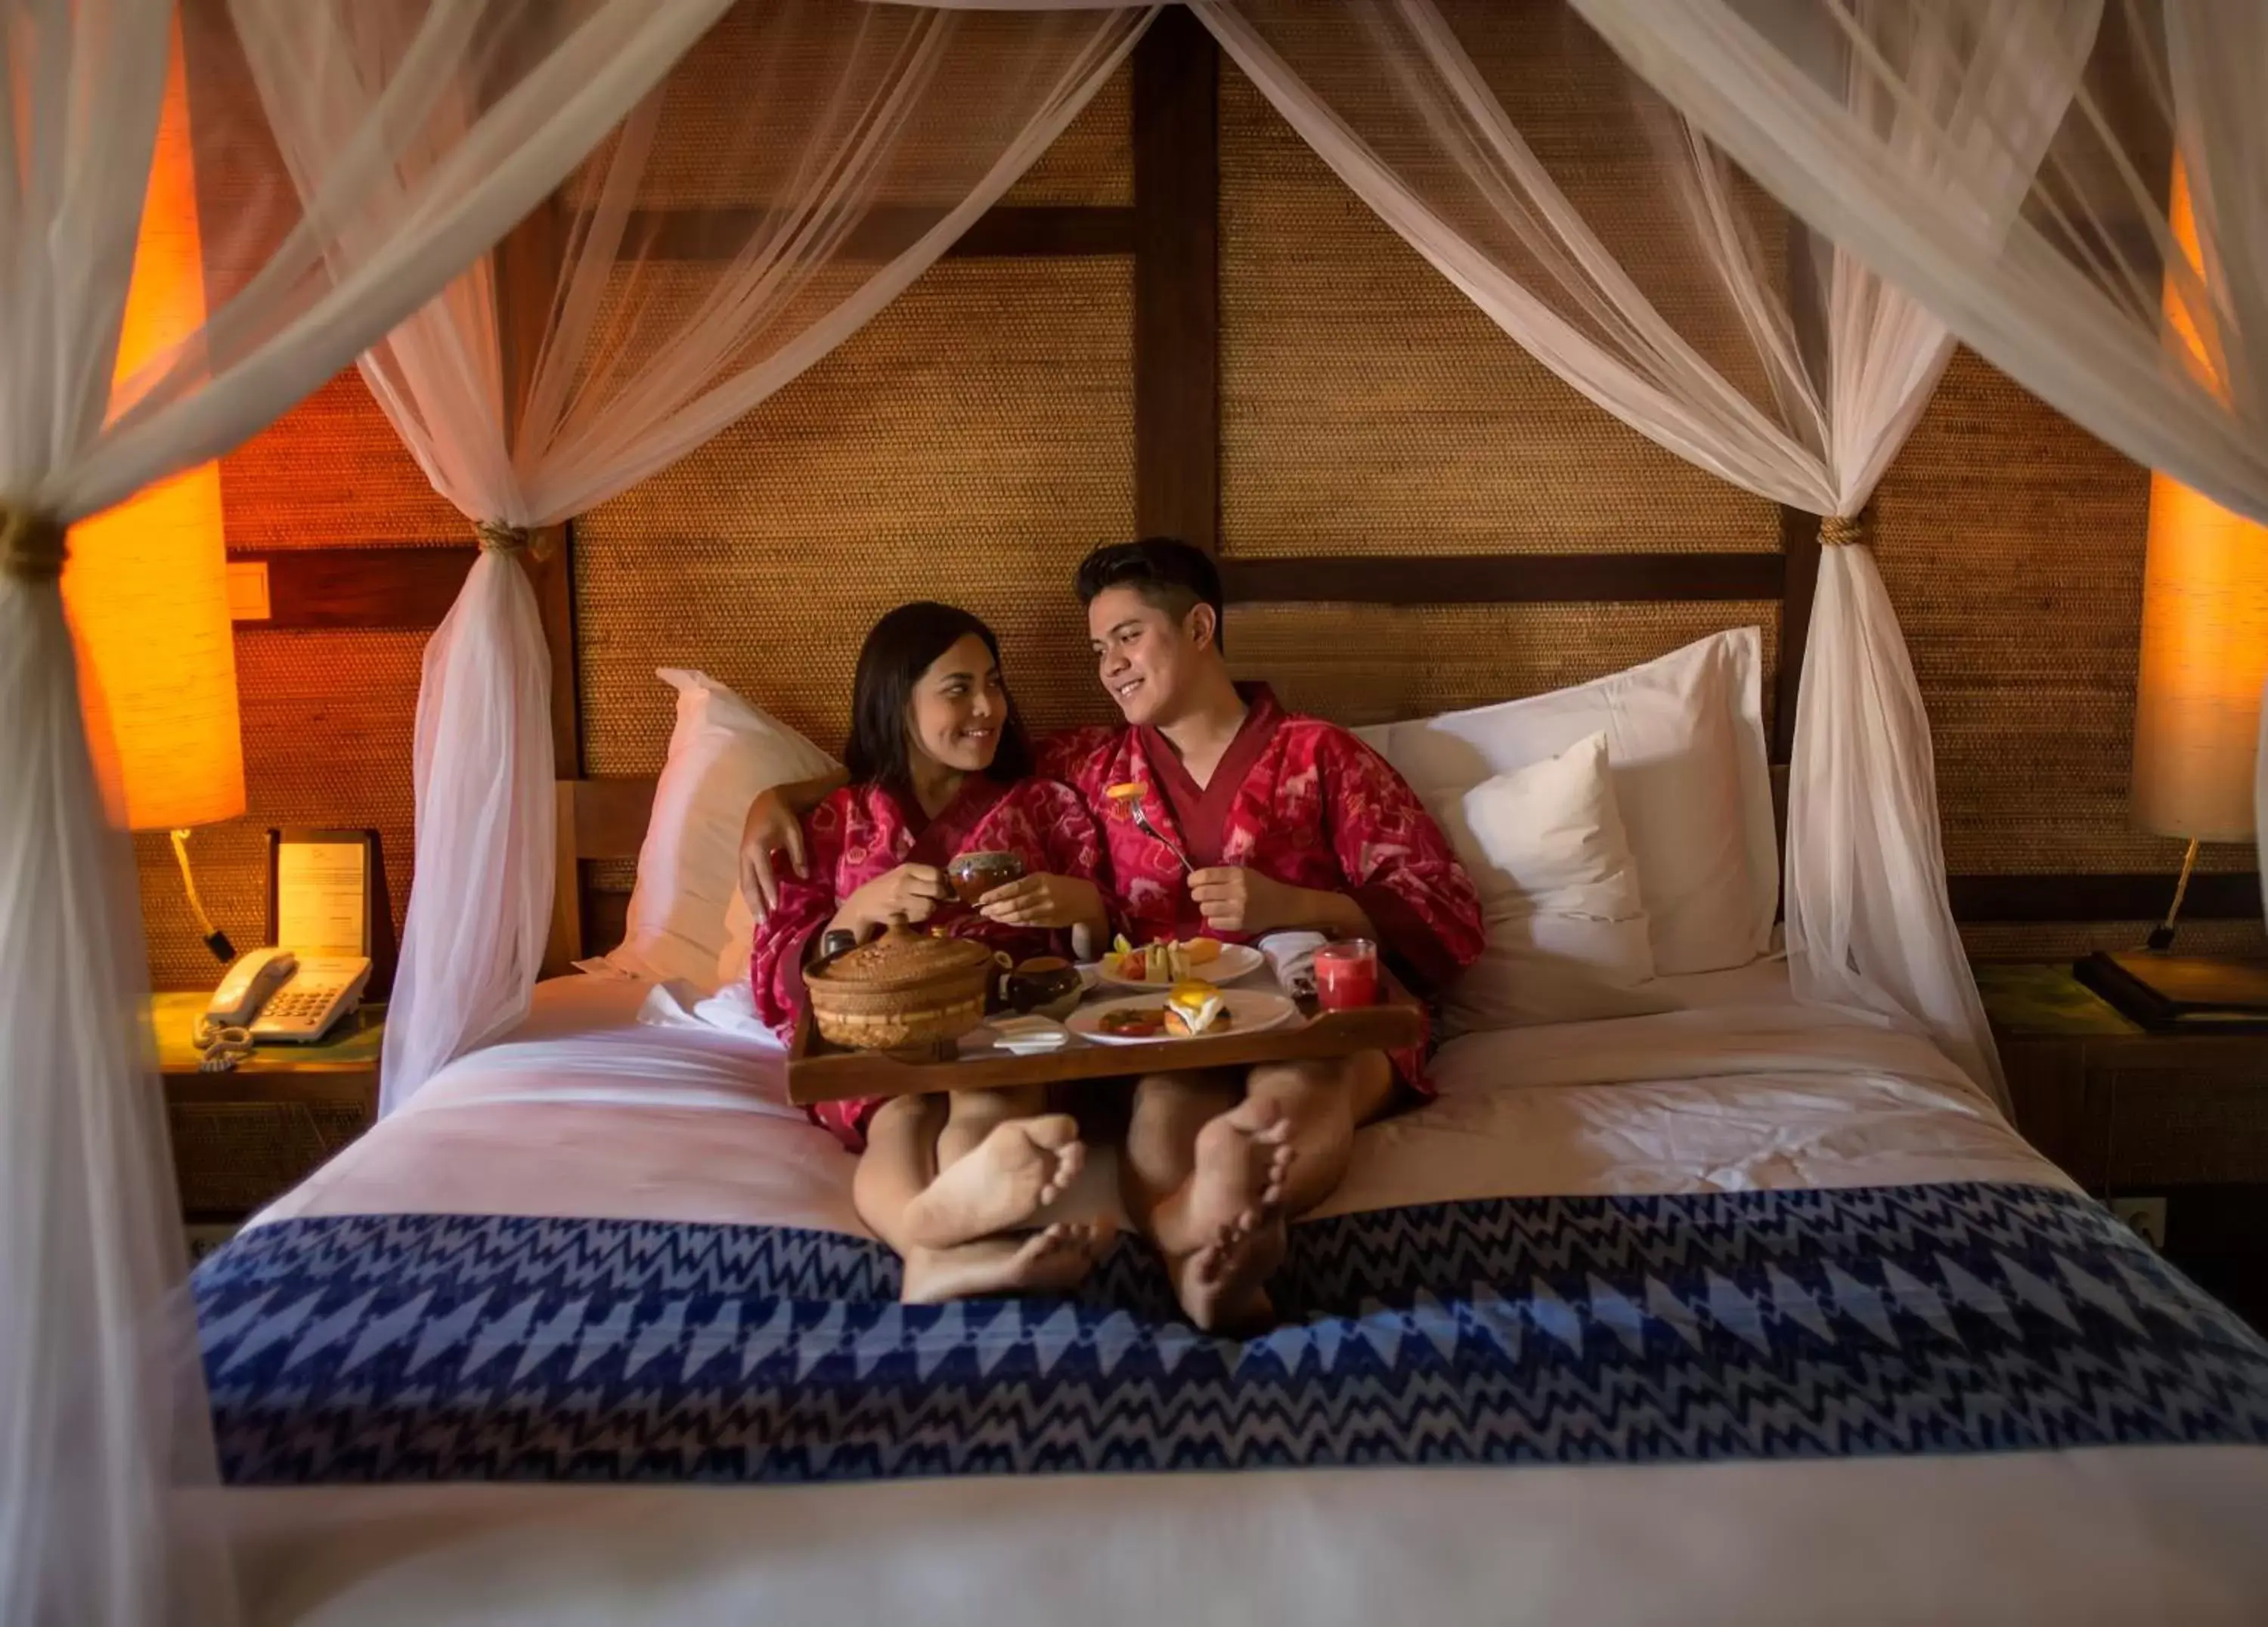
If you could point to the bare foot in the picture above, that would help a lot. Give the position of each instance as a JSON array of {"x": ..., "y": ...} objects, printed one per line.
[
  {"x": 1242, "y": 1158},
  {"x": 1024, "y": 1165},
  {"x": 1220, "y": 1286},
  {"x": 1047, "y": 1261}
]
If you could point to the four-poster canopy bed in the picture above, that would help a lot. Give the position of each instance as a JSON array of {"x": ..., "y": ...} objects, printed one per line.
[{"x": 1763, "y": 1237}]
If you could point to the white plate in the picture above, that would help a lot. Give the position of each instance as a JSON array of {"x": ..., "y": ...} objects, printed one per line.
[
  {"x": 1251, "y": 1010},
  {"x": 1234, "y": 961}
]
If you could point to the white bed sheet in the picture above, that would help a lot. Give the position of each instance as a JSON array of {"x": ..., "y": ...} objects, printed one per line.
[{"x": 587, "y": 1112}]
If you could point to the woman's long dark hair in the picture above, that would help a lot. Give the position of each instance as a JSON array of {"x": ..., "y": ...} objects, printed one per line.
[{"x": 902, "y": 646}]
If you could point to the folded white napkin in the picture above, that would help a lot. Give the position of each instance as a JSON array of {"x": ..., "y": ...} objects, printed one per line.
[
  {"x": 1023, "y": 1036},
  {"x": 1291, "y": 957},
  {"x": 731, "y": 1010}
]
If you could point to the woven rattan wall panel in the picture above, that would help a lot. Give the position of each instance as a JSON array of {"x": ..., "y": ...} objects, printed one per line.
[
  {"x": 1368, "y": 407},
  {"x": 1357, "y": 663},
  {"x": 970, "y": 444},
  {"x": 698, "y": 158},
  {"x": 328, "y": 719},
  {"x": 332, "y": 473},
  {"x": 2010, "y": 542},
  {"x": 1093, "y": 160}
]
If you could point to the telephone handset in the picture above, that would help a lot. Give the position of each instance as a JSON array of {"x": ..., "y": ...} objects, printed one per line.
[
  {"x": 273, "y": 994},
  {"x": 245, "y": 989}
]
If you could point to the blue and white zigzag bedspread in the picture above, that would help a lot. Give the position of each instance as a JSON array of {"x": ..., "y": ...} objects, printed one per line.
[{"x": 1793, "y": 1324}]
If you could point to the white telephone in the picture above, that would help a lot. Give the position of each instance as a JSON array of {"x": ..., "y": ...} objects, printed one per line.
[{"x": 277, "y": 995}]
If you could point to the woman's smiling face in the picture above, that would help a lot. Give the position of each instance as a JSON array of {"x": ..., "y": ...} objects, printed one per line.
[{"x": 959, "y": 706}]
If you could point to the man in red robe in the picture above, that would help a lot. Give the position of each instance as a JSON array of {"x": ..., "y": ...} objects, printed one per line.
[{"x": 1252, "y": 820}]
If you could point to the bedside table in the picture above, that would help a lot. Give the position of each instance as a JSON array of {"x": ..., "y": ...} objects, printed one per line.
[
  {"x": 2130, "y": 1114},
  {"x": 244, "y": 1137}
]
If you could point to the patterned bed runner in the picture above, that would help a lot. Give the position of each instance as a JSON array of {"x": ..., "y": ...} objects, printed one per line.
[{"x": 1808, "y": 1324}]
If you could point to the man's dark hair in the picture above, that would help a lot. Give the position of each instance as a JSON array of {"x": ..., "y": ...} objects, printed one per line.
[
  {"x": 1166, "y": 571},
  {"x": 904, "y": 645}
]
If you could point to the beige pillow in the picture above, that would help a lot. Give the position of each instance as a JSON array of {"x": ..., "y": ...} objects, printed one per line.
[
  {"x": 722, "y": 752},
  {"x": 1566, "y": 926}
]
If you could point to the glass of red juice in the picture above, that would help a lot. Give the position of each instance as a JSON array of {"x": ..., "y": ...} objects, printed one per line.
[{"x": 1346, "y": 974}]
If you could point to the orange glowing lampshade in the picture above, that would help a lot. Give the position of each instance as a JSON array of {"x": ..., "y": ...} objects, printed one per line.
[
  {"x": 2205, "y": 632},
  {"x": 147, "y": 585}
]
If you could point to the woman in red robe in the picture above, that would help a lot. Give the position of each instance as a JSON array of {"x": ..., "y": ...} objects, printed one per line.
[{"x": 939, "y": 766}]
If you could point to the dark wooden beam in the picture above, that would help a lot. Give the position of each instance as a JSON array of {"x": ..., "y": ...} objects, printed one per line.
[
  {"x": 1177, "y": 282},
  {"x": 1006, "y": 230},
  {"x": 1501, "y": 578},
  {"x": 412, "y": 588},
  {"x": 405, "y": 588},
  {"x": 528, "y": 261},
  {"x": 1799, "y": 544},
  {"x": 2212, "y": 896}
]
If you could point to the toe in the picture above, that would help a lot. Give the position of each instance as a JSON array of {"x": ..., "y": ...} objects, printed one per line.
[
  {"x": 1259, "y": 1115},
  {"x": 1056, "y": 1131}
]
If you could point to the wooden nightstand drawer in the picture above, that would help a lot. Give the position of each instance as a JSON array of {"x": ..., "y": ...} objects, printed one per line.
[
  {"x": 230, "y": 1157},
  {"x": 2184, "y": 1126},
  {"x": 244, "y": 1137}
]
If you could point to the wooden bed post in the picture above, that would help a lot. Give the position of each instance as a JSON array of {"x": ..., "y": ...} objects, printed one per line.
[
  {"x": 1799, "y": 530},
  {"x": 1176, "y": 139},
  {"x": 527, "y": 266}
]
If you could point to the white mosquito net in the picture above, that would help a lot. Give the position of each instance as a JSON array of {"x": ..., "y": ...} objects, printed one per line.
[{"x": 1997, "y": 171}]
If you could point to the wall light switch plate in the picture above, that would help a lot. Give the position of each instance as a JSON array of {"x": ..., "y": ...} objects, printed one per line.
[
  {"x": 2145, "y": 1215},
  {"x": 248, "y": 590}
]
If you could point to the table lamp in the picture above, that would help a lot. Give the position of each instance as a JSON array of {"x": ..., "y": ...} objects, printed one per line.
[
  {"x": 2197, "y": 706},
  {"x": 146, "y": 586}
]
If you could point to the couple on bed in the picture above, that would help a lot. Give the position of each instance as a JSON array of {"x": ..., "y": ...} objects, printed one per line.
[{"x": 1283, "y": 821}]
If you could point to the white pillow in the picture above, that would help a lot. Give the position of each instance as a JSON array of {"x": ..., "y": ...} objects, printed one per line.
[
  {"x": 739, "y": 942},
  {"x": 1559, "y": 899},
  {"x": 1686, "y": 741},
  {"x": 721, "y": 753}
]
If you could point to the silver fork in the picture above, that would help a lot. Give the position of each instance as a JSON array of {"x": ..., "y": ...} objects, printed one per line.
[{"x": 1142, "y": 823}]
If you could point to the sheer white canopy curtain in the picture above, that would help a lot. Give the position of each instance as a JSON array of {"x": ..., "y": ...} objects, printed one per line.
[
  {"x": 2143, "y": 320},
  {"x": 1696, "y": 314},
  {"x": 104, "y": 1432},
  {"x": 802, "y": 166}
]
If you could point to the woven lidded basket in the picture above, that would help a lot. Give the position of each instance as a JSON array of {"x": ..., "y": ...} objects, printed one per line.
[{"x": 902, "y": 989}]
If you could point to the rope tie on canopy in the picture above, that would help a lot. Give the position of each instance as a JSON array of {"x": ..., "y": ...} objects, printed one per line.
[
  {"x": 1848, "y": 530},
  {"x": 32, "y": 546},
  {"x": 496, "y": 537}
]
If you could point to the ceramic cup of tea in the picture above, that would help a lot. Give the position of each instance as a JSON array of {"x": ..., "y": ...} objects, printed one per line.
[
  {"x": 975, "y": 874},
  {"x": 1043, "y": 983}
]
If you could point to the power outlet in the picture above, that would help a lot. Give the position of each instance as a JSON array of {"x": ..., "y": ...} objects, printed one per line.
[{"x": 2145, "y": 1215}]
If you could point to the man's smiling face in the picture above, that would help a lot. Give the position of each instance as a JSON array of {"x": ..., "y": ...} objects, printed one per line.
[{"x": 1143, "y": 654}]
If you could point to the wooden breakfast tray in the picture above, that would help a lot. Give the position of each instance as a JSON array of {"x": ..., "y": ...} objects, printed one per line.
[{"x": 819, "y": 1072}]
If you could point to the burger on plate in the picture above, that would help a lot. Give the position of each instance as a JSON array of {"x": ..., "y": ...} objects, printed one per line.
[{"x": 1195, "y": 1008}]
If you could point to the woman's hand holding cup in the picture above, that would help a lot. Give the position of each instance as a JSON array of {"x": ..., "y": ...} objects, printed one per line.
[{"x": 913, "y": 891}]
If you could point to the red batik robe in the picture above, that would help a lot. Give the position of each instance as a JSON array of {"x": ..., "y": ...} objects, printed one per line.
[
  {"x": 862, "y": 832},
  {"x": 1302, "y": 802}
]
